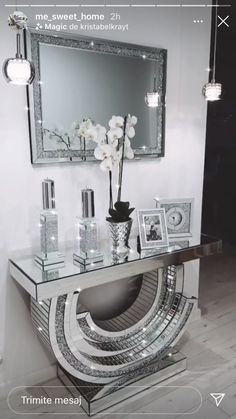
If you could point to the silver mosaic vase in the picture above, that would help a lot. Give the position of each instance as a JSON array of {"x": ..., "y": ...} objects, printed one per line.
[{"x": 119, "y": 235}]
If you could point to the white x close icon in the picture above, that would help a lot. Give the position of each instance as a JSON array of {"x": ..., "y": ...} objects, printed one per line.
[{"x": 223, "y": 21}]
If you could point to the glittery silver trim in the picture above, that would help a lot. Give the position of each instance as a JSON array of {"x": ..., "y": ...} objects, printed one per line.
[
  {"x": 120, "y": 357},
  {"x": 39, "y": 155}
]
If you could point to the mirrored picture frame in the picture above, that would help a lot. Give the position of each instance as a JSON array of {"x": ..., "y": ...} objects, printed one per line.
[
  {"x": 35, "y": 41},
  {"x": 179, "y": 216},
  {"x": 152, "y": 228}
]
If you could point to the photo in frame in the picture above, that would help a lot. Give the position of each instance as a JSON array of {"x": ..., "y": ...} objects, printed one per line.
[
  {"x": 179, "y": 216},
  {"x": 152, "y": 228}
]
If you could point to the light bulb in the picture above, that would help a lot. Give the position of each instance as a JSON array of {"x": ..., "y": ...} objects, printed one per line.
[
  {"x": 212, "y": 91},
  {"x": 152, "y": 99},
  {"x": 18, "y": 71}
]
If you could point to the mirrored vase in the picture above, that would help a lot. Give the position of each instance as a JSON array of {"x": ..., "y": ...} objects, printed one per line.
[{"x": 119, "y": 236}]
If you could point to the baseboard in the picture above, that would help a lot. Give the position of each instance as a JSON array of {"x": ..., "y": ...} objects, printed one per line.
[{"x": 33, "y": 379}]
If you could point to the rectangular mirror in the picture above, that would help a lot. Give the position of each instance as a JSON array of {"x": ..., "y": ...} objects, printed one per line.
[{"x": 80, "y": 78}]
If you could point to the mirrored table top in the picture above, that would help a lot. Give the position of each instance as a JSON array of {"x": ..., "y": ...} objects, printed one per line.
[{"x": 71, "y": 277}]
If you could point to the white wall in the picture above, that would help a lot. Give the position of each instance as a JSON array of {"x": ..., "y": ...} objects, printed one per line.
[{"x": 178, "y": 174}]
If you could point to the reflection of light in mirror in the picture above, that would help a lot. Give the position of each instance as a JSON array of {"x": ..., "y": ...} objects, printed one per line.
[{"x": 152, "y": 99}]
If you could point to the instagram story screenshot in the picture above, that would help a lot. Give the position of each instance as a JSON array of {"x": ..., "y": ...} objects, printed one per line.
[{"x": 117, "y": 209}]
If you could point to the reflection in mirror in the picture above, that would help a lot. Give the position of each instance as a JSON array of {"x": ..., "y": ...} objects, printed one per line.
[{"x": 77, "y": 79}]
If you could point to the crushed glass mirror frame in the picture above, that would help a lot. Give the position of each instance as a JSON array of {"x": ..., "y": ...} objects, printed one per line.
[{"x": 77, "y": 78}]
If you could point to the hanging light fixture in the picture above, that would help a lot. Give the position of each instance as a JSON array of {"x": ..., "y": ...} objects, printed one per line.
[
  {"x": 152, "y": 99},
  {"x": 212, "y": 91},
  {"x": 18, "y": 70}
]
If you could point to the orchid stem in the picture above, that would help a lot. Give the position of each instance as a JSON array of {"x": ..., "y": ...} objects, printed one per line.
[
  {"x": 110, "y": 190},
  {"x": 121, "y": 165}
]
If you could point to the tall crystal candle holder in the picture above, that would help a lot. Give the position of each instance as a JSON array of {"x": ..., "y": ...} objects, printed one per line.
[
  {"x": 87, "y": 242},
  {"x": 49, "y": 256}
]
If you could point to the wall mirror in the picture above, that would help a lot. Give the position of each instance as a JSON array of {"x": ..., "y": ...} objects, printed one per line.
[{"x": 79, "y": 78}]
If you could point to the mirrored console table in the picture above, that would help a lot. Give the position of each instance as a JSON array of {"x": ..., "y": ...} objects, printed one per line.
[{"x": 113, "y": 326}]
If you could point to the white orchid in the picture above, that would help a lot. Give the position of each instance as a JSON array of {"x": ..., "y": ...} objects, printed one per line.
[
  {"x": 114, "y": 134},
  {"x": 109, "y": 155},
  {"x": 131, "y": 120},
  {"x": 113, "y": 146},
  {"x": 116, "y": 122},
  {"x": 103, "y": 151},
  {"x": 83, "y": 127},
  {"x": 96, "y": 133},
  {"x": 130, "y": 132},
  {"x": 128, "y": 151}
]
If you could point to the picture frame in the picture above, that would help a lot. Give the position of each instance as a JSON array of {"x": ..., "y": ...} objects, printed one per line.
[
  {"x": 152, "y": 228},
  {"x": 179, "y": 216}
]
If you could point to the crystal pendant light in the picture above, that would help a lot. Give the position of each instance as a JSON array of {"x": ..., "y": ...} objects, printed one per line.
[
  {"x": 212, "y": 91},
  {"x": 152, "y": 99},
  {"x": 18, "y": 70}
]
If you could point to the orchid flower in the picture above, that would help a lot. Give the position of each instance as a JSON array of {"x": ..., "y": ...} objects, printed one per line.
[
  {"x": 97, "y": 134},
  {"x": 82, "y": 130},
  {"x": 131, "y": 121},
  {"x": 114, "y": 134},
  {"x": 128, "y": 151},
  {"x": 116, "y": 122}
]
